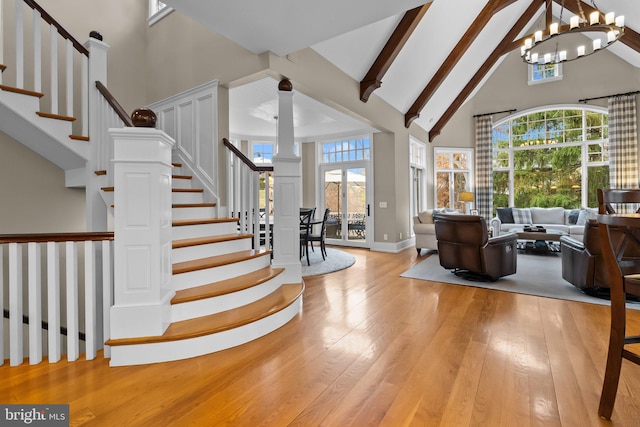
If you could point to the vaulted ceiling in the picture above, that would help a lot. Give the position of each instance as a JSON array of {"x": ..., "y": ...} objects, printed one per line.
[{"x": 423, "y": 59}]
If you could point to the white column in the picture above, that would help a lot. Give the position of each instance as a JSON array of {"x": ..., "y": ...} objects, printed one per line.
[
  {"x": 96, "y": 209},
  {"x": 142, "y": 246},
  {"x": 286, "y": 190}
]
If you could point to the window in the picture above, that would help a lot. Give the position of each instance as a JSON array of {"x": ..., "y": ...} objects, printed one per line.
[
  {"x": 453, "y": 175},
  {"x": 418, "y": 184},
  {"x": 262, "y": 152},
  {"x": 542, "y": 73},
  {"x": 555, "y": 157},
  {"x": 157, "y": 11},
  {"x": 346, "y": 150}
]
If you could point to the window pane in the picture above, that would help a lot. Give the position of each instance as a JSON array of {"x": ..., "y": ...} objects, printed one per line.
[
  {"x": 597, "y": 177},
  {"x": 442, "y": 190}
]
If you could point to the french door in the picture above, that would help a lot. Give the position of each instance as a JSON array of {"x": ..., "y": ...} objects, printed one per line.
[{"x": 346, "y": 194}]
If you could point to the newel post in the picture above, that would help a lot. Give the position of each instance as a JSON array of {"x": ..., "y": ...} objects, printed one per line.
[
  {"x": 287, "y": 178},
  {"x": 96, "y": 209},
  {"x": 142, "y": 246}
]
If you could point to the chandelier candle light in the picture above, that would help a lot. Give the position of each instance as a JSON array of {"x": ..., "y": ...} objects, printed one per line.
[{"x": 559, "y": 44}]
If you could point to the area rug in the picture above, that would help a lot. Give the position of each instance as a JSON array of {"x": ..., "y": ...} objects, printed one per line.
[
  {"x": 336, "y": 260},
  {"x": 539, "y": 275}
]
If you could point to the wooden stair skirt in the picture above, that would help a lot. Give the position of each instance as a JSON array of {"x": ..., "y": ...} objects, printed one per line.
[{"x": 220, "y": 331}]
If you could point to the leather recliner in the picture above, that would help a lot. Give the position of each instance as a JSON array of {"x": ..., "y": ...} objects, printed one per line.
[
  {"x": 465, "y": 248},
  {"x": 582, "y": 262}
]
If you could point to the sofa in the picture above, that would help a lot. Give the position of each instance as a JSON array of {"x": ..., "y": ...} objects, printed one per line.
[
  {"x": 569, "y": 221},
  {"x": 424, "y": 231}
]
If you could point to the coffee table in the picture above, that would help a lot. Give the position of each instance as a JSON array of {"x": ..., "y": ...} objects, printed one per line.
[{"x": 539, "y": 242}]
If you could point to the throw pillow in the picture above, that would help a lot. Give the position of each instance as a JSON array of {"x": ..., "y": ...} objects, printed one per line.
[
  {"x": 521, "y": 215},
  {"x": 505, "y": 215},
  {"x": 547, "y": 215},
  {"x": 572, "y": 219},
  {"x": 586, "y": 214}
]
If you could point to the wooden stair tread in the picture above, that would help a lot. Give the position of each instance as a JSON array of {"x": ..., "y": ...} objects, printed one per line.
[
  {"x": 193, "y": 205},
  {"x": 176, "y": 165},
  {"x": 280, "y": 299},
  {"x": 228, "y": 286},
  {"x": 21, "y": 91},
  {"x": 216, "y": 261},
  {"x": 56, "y": 116},
  {"x": 184, "y": 222},
  {"x": 181, "y": 176},
  {"x": 79, "y": 137},
  {"x": 173, "y": 190},
  {"x": 101, "y": 172},
  {"x": 187, "y": 190},
  {"x": 196, "y": 241}
]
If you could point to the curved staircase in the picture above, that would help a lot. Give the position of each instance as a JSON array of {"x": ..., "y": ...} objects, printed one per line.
[{"x": 226, "y": 293}]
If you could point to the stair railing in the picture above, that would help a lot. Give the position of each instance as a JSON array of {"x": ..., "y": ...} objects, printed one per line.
[
  {"x": 74, "y": 52},
  {"x": 244, "y": 188},
  {"x": 68, "y": 292}
]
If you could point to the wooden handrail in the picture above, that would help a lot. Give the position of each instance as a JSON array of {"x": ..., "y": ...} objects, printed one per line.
[
  {"x": 64, "y": 33},
  {"x": 114, "y": 104},
  {"x": 55, "y": 237},
  {"x": 245, "y": 159}
]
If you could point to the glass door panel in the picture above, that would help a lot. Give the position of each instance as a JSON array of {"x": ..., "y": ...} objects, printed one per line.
[
  {"x": 333, "y": 201},
  {"x": 356, "y": 195}
]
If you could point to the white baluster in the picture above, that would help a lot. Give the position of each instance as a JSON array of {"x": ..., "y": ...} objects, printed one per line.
[
  {"x": 90, "y": 300},
  {"x": 53, "y": 300},
  {"x": 69, "y": 84},
  {"x": 19, "y": 23},
  {"x": 107, "y": 293},
  {"x": 1, "y": 280},
  {"x": 15, "y": 304},
  {"x": 84, "y": 95},
  {"x": 37, "y": 51},
  {"x": 256, "y": 210},
  {"x": 53, "y": 47},
  {"x": 73, "y": 342},
  {"x": 34, "y": 271}
]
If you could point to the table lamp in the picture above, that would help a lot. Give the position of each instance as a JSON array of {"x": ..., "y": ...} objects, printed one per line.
[{"x": 466, "y": 197}]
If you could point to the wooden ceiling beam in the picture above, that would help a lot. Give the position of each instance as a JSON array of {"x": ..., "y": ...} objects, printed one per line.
[
  {"x": 486, "y": 66},
  {"x": 629, "y": 38},
  {"x": 454, "y": 57},
  {"x": 373, "y": 79}
]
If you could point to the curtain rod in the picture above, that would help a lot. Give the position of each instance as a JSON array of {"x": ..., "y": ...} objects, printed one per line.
[
  {"x": 496, "y": 112},
  {"x": 609, "y": 96}
]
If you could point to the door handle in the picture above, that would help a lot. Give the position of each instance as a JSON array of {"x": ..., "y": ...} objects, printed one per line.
[{"x": 368, "y": 209}]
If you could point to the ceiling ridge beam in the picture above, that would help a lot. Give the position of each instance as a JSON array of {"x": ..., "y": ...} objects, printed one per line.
[
  {"x": 454, "y": 57},
  {"x": 373, "y": 79},
  {"x": 524, "y": 19},
  {"x": 629, "y": 38}
]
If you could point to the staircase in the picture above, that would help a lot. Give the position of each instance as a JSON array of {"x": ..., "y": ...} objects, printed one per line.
[{"x": 226, "y": 291}]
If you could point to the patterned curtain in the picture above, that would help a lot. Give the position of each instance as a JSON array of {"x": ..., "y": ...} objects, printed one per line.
[
  {"x": 484, "y": 166},
  {"x": 623, "y": 142}
]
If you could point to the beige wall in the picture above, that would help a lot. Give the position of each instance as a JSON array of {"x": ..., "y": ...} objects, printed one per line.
[
  {"x": 595, "y": 75},
  {"x": 33, "y": 194}
]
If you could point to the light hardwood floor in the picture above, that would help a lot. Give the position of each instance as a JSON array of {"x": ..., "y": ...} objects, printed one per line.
[{"x": 370, "y": 348}]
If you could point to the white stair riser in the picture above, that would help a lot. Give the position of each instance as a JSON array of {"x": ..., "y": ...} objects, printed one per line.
[
  {"x": 215, "y": 274},
  {"x": 194, "y": 213},
  {"x": 182, "y": 198},
  {"x": 184, "y": 349},
  {"x": 205, "y": 307},
  {"x": 199, "y": 230},
  {"x": 211, "y": 249},
  {"x": 181, "y": 183}
]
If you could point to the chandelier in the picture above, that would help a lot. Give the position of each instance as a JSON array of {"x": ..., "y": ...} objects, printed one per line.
[{"x": 562, "y": 43}]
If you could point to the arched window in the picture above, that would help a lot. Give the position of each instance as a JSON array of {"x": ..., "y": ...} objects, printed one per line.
[{"x": 551, "y": 157}]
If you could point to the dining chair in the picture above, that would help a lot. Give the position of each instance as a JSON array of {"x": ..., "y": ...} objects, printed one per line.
[
  {"x": 306, "y": 216},
  {"x": 321, "y": 236},
  {"x": 619, "y": 232}
]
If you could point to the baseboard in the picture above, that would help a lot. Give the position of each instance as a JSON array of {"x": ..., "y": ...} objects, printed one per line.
[{"x": 393, "y": 247}]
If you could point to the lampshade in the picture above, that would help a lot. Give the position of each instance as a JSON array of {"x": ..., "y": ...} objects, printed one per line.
[{"x": 465, "y": 196}]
